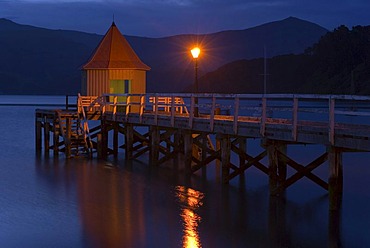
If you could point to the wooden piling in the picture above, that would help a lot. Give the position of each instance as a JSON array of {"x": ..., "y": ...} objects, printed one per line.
[
  {"x": 129, "y": 141},
  {"x": 204, "y": 154},
  {"x": 335, "y": 177},
  {"x": 67, "y": 138},
  {"x": 99, "y": 145},
  {"x": 56, "y": 138},
  {"x": 115, "y": 139},
  {"x": 188, "y": 151},
  {"x": 154, "y": 145},
  {"x": 225, "y": 157},
  {"x": 243, "y": 147},
  {"x": 277, "y": 165},
  {"x": 46, "y": 136},
  {"x": 38, "y": 135},
  {"x": 104, "y": 138},
  {"x": 334, "y": 229}
]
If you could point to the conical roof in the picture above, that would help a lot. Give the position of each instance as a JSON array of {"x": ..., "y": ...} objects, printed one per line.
[{"x": 114, "y": 52}]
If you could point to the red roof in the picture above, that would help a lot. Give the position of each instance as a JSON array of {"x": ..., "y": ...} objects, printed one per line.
[{"x": 114, "y": 52}]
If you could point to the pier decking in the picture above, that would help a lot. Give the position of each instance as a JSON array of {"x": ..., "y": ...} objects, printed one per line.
[{"x": 170, "y": 124}]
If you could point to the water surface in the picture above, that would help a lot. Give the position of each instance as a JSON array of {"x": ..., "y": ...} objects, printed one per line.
[{"x": 47, "y": 202}]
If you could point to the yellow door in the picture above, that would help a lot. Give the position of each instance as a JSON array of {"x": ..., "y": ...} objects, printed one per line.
[{"x": 119, "y": 87}]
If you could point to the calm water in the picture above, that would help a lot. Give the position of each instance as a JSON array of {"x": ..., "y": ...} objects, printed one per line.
[{"x": 88, "y": 203}]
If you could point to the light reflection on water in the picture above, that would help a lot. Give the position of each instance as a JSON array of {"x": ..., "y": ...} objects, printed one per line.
[{"x": 190, "y": 201}]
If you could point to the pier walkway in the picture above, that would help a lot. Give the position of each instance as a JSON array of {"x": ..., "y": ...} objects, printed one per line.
[{"x": 215, "y": 127}]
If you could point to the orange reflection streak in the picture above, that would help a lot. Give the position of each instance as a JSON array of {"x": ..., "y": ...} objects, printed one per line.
[{"x": 190, "y": 201}]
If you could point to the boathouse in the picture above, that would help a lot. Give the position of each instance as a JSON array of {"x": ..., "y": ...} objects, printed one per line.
[{"x": 114, "y": 68}]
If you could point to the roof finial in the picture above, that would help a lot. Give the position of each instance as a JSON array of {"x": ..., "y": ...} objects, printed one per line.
[{"x": 113, "y": 24}]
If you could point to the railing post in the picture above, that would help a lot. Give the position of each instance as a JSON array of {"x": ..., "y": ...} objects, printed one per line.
[
  {"x": 142, "y": 105},
  {"x": 172, "y": 110},
  {"x": 295, "y": 119},
  {"x": 236, "y": 114},
  {"x": 191, "y": 114},
  {"x": 114, "y": 107},
  {"x": 128, "y": 102},
  {"x": 156, "y": 109},
  {"x": 212, "y": 118},
  {"x": 103, "y": 105},
  {"x": 263, "y": 117},
  {"x": 331, "y": 120}
]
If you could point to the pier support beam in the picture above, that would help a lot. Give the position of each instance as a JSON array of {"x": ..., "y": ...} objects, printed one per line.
[
  {"x": 115, "y": 139},
  {"x": 129, "y": 141},
  {"x": 277, "y": 164},
  {"x": 56, "y": 138},
  {"x": 225, "y": 157},
  {"x": 243, "y": 147},
  {"x": 188, "y": 151},
  {"x": 154, "y": 144},
  {"x": 38, "y": 135},
  {"x": 104, "y": 138},
  {"x": 46, "y": 136},
  {"x": 335, "y": 177},
  {"x": 204, "y": 154},
  {"x": 67, "y": 138}
]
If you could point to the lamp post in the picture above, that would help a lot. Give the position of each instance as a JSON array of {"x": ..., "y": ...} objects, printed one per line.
[{"x": 195, "y": 53}]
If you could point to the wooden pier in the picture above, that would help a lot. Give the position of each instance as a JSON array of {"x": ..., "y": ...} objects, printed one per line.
[{"x": 164, "y": 125}]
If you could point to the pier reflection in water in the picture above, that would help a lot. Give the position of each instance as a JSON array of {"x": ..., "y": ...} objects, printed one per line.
[{"x": 138, "y": 206}]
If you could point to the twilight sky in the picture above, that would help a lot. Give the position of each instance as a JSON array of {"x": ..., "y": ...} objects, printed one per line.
[{"x": 158, "y": 18}]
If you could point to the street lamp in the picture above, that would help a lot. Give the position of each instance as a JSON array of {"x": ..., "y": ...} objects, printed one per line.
[{"x": 195, "y": 53}]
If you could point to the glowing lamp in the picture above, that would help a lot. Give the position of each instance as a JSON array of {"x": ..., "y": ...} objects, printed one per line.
[{"x": 195, "y": 52}]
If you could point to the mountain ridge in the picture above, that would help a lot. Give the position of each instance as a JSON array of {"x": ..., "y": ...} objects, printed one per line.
[{"x": 49, "y": 60}]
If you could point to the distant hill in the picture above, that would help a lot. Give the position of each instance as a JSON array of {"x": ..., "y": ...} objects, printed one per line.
[
  {"x": 337, "y": 64},
  {"x": 41, "y": 61}
]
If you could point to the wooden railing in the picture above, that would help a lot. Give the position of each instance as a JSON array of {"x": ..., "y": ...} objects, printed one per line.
[
  {"x": 329, "y": 110},
  {"x": 164, "y": 103}
]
